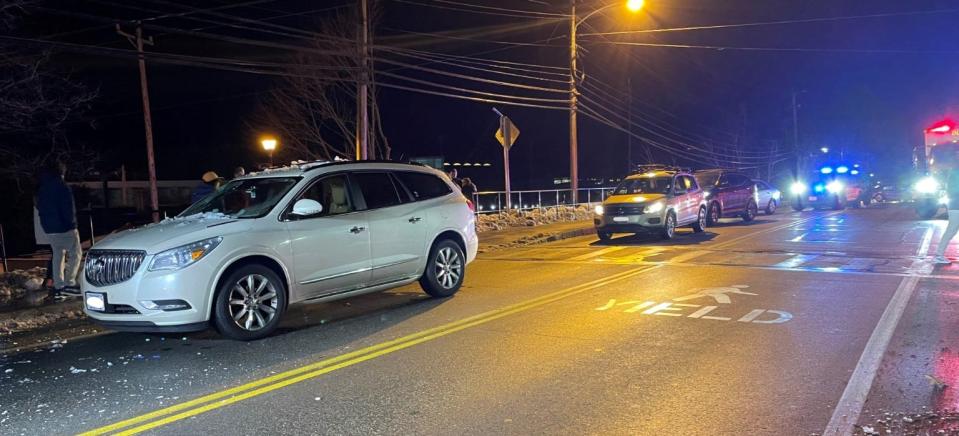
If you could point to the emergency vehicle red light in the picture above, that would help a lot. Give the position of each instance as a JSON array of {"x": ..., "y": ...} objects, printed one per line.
[{"x": 944, "y": 126}]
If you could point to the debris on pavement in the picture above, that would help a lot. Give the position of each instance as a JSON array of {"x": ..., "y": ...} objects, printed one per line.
[{"x": 911, "y": 424}]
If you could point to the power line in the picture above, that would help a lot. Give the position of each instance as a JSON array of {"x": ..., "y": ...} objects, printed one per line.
[
  {"x": 463, "y": 97},
  {"x": 492, "y": 63},
  {"x": 433, "y": 60},
  {"x": 472, "y": 11},
  {"x": 462, "y": 38},
  {"x": 523, "y": 11},
  {"x": 787, "y": 49},
  {"x": 778, "y": 22},
  {"x": 454, "y": 88}
]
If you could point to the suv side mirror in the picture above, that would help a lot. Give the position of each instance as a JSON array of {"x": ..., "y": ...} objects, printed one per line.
[{"x": 306, "y": 207}]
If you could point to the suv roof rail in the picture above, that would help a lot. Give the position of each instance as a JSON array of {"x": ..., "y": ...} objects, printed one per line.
[
  {"x": 645, "y": 168},
  {"x": 373, "y": 161}
]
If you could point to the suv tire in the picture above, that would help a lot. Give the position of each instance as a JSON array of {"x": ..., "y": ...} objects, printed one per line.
[
  {"x": 445, "y": 269},
  {"x": 249, "y": 303},
  {"x": 751, "y": 210},
  {"x": 771, "y": 207},
  {"x": 604, "y": 236},
  {"x": 700, "y": 225},
  {"x": 669, "y": 227},
  {"x": 713, "y": 215}
]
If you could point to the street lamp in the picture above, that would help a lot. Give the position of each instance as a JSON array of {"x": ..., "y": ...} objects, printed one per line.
[
  {"x": 824, "y": 150},
  {"x": 574, "y": 22},
  {"x": 269, "y": 144}
]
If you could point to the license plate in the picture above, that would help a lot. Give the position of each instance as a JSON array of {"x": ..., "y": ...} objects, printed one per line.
[
  {"x": 621, "y": 219},
  {"x": 95, "y": 301},
  {"x": 813, "y": 198}
]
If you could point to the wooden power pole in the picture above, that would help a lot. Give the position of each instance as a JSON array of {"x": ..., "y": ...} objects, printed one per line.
[
  {"x": 362, "y": 92},
  {"x": 138, "y": 41}
]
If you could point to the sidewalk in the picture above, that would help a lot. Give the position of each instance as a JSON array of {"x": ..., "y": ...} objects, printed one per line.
[{"x": 522, "y": 236}]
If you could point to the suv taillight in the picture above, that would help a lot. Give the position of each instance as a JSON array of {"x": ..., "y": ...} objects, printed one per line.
[{"x": 471, "y": 205}]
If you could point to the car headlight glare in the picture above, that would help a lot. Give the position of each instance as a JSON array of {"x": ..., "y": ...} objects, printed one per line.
[
  {"x": 926, "y": 185},
  {"x": 654, "y": 207},
  {"x": 798, "y": 188},
  {"x": 599, "y": 209},
  {"x": 183, "y": 256},
  {"x": 944, "y": 200},
  {"x": 833, "y": 187}
]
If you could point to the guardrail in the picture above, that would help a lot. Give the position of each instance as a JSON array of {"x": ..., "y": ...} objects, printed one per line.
[{"x": 495, "y": 201}]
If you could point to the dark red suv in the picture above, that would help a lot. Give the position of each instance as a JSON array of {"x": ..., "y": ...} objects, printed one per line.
[{"x": 728, "y": 194}]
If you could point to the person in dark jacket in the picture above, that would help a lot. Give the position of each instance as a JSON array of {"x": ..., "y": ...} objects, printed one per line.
[
  {"x": 210, "y": 184},
  {"x": 58, "y": 218},
  {"x": 469, "y": 188}
]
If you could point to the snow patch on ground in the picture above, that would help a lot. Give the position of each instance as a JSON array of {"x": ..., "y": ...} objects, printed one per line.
[
  {"x": 33, "y": 319},
  {"x": 531, "y": 218},
  {"x": 16, "y": 286}
]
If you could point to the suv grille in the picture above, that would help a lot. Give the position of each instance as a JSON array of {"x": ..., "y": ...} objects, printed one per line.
[
  {"x": 625, "y": 210},
  {"x": 109, "y": 267}
]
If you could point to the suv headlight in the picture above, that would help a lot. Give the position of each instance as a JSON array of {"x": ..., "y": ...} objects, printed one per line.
[
  {"x": 926, "y": 185},
  {"x": 599, "y": 209},
  {"x": 798, "y": 188},
  {"x": 834, "y": 187},
  {"x": 183, "y": 256},
  {"x": 655, "y": 207}
]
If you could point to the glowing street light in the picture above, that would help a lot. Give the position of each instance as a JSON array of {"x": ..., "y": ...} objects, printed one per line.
[
  {"x": 269, "y": 145},
  {"x": 824, "y": 150},
  {"x": 635, "y": 5}
]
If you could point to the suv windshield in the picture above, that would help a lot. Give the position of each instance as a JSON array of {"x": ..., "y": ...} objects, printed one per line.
[
  {"x": 645, "y": 185},
  {"x": 249, "y": 198},
  {"x": 708, "y": 178}
]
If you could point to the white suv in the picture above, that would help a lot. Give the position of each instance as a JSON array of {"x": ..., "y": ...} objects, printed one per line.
[{"x": 312, "y": 232}]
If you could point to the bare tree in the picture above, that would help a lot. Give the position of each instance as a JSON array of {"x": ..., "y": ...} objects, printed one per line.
[
  {"x": 313, "y": 106},
  {"x": 37, "y": 102}
]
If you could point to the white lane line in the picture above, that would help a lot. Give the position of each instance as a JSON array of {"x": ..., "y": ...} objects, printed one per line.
[
  {"x": 847, "y": 411},
  {"x": 597, "y": 253},
  {"x": 796, "y": 261}
]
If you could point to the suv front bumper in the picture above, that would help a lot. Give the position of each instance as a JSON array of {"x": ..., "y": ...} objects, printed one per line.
[{"x": 643, "y": 223}]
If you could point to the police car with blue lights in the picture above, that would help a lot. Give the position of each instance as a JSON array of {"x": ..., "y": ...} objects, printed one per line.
[{"x": 831, "y": 187}]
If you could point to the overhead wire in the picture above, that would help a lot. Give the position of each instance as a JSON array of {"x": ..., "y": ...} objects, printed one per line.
[
  {"x": 472, "y": 11},
  {"x": 488, "y": 69},
  {"x": 778, "y": 22}
]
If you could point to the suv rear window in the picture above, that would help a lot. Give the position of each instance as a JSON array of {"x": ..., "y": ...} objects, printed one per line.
[
  {"x": 377, "y": 189},
  {"x": 423, "y": 186}
]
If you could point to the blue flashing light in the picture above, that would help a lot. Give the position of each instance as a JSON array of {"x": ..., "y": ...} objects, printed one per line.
[
  {"x": 819, "y": 187},
  {"x": 856, "y": 166},
  {"x": 842, "y": 170},
  {"x": 826, "y": 170},
  {"x": 854, "y": 172}
]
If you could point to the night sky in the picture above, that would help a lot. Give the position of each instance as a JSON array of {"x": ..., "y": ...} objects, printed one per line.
[{"x": 866, "y": 86}]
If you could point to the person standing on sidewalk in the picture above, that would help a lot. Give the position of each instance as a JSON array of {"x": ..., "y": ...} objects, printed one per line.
[
  {"x": 58, "y": 218},
  {"x": 952, "y": 192}
]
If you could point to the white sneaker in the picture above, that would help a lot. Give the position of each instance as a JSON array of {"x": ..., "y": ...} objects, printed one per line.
[{"x": 941, "y": 260}]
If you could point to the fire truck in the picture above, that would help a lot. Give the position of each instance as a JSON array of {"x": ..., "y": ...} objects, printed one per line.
[{"x": 928, "y": 191}]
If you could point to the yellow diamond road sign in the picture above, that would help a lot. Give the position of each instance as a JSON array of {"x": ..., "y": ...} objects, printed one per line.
[{"x": 513, "y": 133}]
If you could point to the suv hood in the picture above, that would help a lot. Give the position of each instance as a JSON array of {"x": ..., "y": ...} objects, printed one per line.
[
  {"x": 634, "y": 198},
  {"x": 172, "y": 232}
]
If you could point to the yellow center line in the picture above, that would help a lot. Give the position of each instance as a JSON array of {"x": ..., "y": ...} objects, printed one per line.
[{"x": 277, "y": 381}]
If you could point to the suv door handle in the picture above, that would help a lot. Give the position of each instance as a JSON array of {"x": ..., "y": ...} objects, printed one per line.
[
  {"x": 415, "y": 220},
  {"x": 356, "y": 229}
]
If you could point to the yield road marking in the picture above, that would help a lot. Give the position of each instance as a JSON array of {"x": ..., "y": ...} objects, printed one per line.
[
  {"x": 718, "y": 294},
  {"x": 226, "y": 397},
  {"x": 847, "y": 411}
]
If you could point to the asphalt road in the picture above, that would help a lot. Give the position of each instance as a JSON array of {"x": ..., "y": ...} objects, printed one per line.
[{"x": 798, "y": 323}]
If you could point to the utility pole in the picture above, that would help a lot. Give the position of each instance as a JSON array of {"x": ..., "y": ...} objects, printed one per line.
[
  {"x": 362, "y": 92},
  {"x": 796, "y": 135},
  {"x": 629, "y": 124},
  {"x": 573, "y": 145},
  {"x": 138, "y": 41}
]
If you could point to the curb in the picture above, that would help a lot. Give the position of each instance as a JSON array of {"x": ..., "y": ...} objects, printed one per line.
[{"x": 522, "y": 242}]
